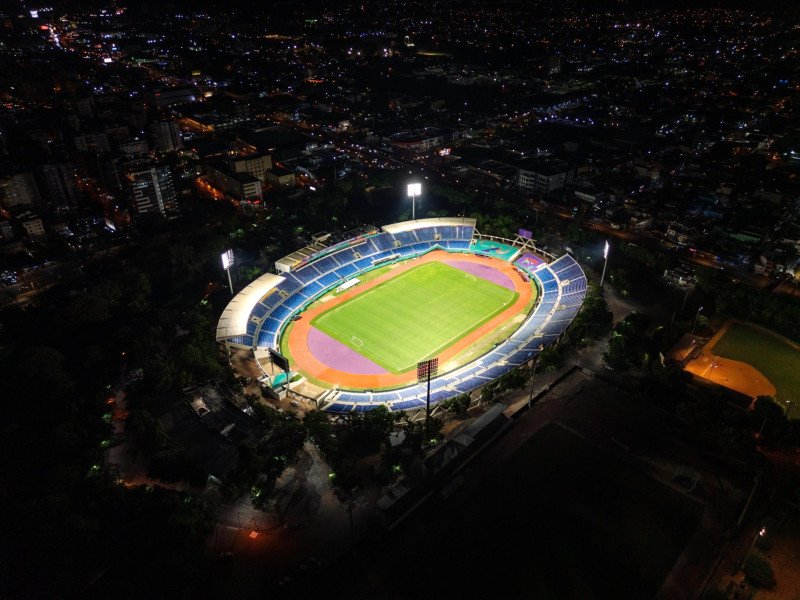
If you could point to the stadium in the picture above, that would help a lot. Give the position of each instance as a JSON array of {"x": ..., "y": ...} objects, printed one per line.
[{"x": 355, "y": 314}]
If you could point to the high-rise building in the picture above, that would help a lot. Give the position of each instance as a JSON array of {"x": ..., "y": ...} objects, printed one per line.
[
  {"x": 166, "y": 136},
  {"x": 151, "y": 190},
  {"x": 92, "y": 142},
  {"x": 19, "y": 190},
  {"x": 60, "y": 185}
]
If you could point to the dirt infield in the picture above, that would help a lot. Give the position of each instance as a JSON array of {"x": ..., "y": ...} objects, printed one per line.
[
  {"x": 303, "y": 359},
  {"x": 733, "y": 374}
]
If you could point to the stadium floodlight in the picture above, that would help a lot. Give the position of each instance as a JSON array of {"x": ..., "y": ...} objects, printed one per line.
[
  {"x": 605, "y": 263},
  {"x": 227, "y": 263},
  {"x": 695, "y": 319},
  {"x": 414, "y": 190},
  {"x": 425, "y": 370}
]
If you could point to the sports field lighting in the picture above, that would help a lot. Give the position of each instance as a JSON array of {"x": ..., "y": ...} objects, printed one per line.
[
  {"x": 414, "y": 190},
  {"x": 227, "y": 263},
  {"x": 605, "y": 263},
  {"x": 425, "y": 370},
  {"x": 695, "y": 319}
]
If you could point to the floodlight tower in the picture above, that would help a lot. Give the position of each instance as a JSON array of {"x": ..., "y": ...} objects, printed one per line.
[
  {"x": 697, "y": 316},
  {"x": 414, "y": 190},
  {"x": 425, "y": 370},
  {"x": 605, "y": 263},
  {"x": 227, "y": 263}
]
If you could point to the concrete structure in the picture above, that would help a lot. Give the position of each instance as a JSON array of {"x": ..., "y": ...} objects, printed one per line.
[
  {"x": 19, "y": 191},
  {"x": 420, "y": 140},
  {"x": 60, "y": 183},
  {"x": 542, "y": 177},
  {"x": 256, "y": 165},
  {"x": 166, "y": 136},
  {"x": 32, "y": 224},
  {"x": 92, "y": 142},
  {"x": 151, "y": 190},
  {"x": 282, "y": 178},
  {"x": 241, "y": 186}
]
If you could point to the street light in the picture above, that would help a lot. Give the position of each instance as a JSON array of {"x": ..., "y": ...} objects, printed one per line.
[
  {"x": 414, "y": 190},
  {"x": 605, "y": 263},
  {"x": 695, "y": 319}
]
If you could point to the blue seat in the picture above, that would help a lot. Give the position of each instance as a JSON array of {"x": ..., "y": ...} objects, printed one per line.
[
  {"x": 407, "y": 404},
  {"x": 345, "y": 271},
  {"x": 244, "y": 340},
  {"x": 425, "y": 234},
  {"x": 339, "y": 407},
  {"x": 325, "y": 265},
  {"x": 281, "y": 313},
  {"x": 259, "y": 310},
  {"x": 328, "y": 280}
]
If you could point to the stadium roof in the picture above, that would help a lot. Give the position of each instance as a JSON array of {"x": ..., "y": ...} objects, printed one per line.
[
  {"x": 420, "y": 223},
  {"x": 233, "y": 321}
]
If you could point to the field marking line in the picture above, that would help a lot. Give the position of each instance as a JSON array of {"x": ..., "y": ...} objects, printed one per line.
[{"x": 469, "y": 329}]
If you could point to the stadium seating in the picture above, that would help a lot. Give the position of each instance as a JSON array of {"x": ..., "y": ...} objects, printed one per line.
[{"x": 426, "y": 235}]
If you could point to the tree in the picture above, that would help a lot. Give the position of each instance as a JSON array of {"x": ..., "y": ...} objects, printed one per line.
[
  {"x": 770, "y": 419},
  {"x": 758, "y": 571},
  {"x": 457, "y": 405}
]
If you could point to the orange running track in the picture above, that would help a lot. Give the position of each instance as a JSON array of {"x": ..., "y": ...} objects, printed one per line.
[{"x": 304, "y": 361}]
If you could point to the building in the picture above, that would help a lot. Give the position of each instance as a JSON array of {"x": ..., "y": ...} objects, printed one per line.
[
  {"x": 239, "y": 187},
  {"x": 32, "y": 224},
  {"x": 92, "y": 142},
  {"x": 281, "y": 178},
  {"x": 166, "y": 136},
  {"x": 256, "y": 165},
  {"x": 151, "y": 190},
  {"x": 19, "y": 191},
  {"x": 6, "y": 231},
  {"x": 541, "y": 178},
  {"x": 421, "y": 140},
  {"x": 134, "y": 148},
  {"x": 172, "y": 96},
  {"x": 680, "y": 234},
  {"x": 60, "y": 185}
]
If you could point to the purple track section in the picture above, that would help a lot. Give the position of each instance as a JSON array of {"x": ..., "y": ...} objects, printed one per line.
[
  {"x": 338, "y": 356},
  {"x": 484, "y": 272}
]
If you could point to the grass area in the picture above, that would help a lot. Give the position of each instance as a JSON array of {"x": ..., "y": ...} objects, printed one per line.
[
  {"x": 414, "y": 315},
  {"x": 499, "y": 335},
  {"x": 776, "y": 357}
]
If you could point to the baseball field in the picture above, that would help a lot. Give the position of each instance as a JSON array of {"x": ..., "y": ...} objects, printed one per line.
[
  {"x": 415, "y": 315},
  {"x": 777, "y": 357}
]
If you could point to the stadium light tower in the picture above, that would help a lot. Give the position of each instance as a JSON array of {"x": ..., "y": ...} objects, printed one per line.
[
  {"x": 227, "y": 263},
  {"x": 425, "y": 370},
  {"x": 605, "y": 263},
  {"x": 695, "y": 319},
  {"x": 414, "y": 190}
]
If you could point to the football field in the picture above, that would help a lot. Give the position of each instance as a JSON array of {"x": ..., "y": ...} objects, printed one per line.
[{"x": 415, "y": 315}]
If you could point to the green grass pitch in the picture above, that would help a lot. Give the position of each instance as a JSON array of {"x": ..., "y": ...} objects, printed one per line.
[
  {"x": 415, "y": 315},
  {"x": 774, "y": 356}
]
